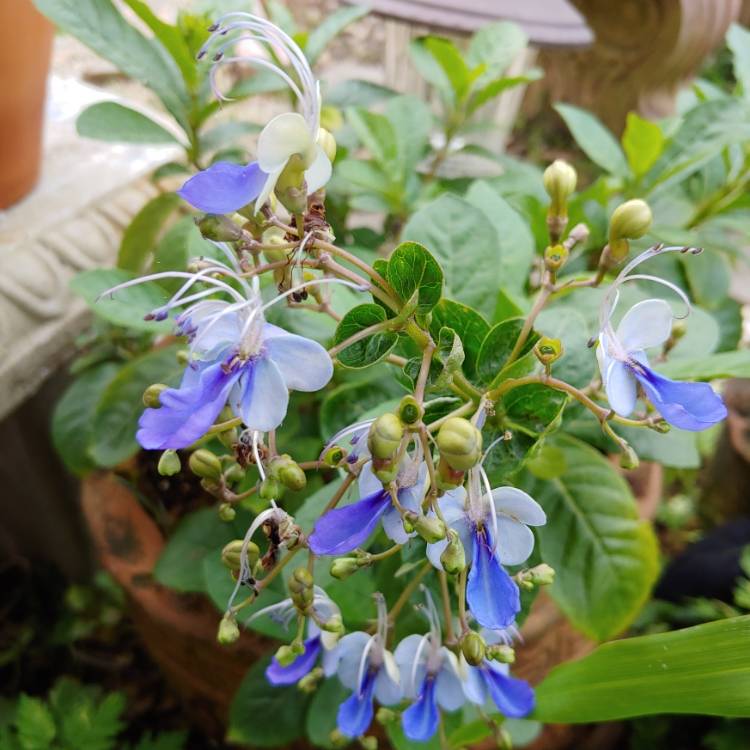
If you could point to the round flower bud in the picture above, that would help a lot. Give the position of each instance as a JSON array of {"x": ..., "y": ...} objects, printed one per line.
[
  {"x": 543, "y": 574},
  {"x": 502, "y": 653},
  {"x": 270, "y": 489},
  {"x": 309, "y": 683},
  {"x": 227, "y": 512},
  {"x": 285, "y": 655},
  {"x": 385, "y": 435},
  {"x": 630, "y": 221},
  {"x": 301, "y": 587},
  {"x": 231, "y": 555},
  {"x": 234, "y": 473},
  {"x": 448, "y": 478},
  {"x": 555, "y": 257},
  {"x": 386, "y": 470},
  {"x": 218, "y": 228},
  {"x": 205, "y": 464},
  {"x": 473, "y": 648},
  {"x": 169, "y": 464},
  {"x": 151, "y": 395},
  {"x": 559, "y": 182},
  {"x": 459, "y": 443},
  {"x": 369, "y": 742},
  {"x": 430, "y": 528},
  {"x": 453, "y": 557},
  {"x": 288, "y": 472},
  {"x": 386, "y": 715},
  {"x": 343, "y": 567},
  {"x": 297, "y": 647},
  {"x": 334, "y": 456},
  {"x": 410, "y": 411},
  {"x": 661, "y": 427},
  {"x": 228, "y": 630},
  {"x": 327, "y": 142},
  {"x": 334, "y": 625},
  {"x": 629, "y": 458},
  {"x": 548, "y": 350}
]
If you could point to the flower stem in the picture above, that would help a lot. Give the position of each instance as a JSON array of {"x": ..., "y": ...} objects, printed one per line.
[{"x": 408, "y": 591}]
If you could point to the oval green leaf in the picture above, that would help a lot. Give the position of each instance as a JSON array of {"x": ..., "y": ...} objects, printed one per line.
[{"x": 369, "y": 350}]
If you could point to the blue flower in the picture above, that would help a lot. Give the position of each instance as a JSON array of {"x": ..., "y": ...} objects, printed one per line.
[
  {"x": 369, "y": 670},
  {"x": 494, "y": 530},
  {"x": 429, "y": 678},
  {"x": 343, "y": 529},
  {"x": 239, "y": 359},
  {"x": 624, "y": 365},
  {"x": 226, "y": 187}
]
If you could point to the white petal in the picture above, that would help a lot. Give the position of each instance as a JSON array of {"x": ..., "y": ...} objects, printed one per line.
[
  {"x": 284, "y": 136},
  {"x": 474, "y": 687},
  {"x": 462, "y": 526},
  {"x": 319, "y": 172},
  {"x": 621, "y": 388},
  {"x": 515, "y": 541},
  {"x": 602, "y": 358},
  {"x": 405, "y": 653},
  {"x": 647, "y": 324},
  {"x": 350, "y": 650},
  {"x": 367, "y": 482},
  {"x": 394, "y": 527},
  {"x": 268, "y": 187},
  {"x": 387, "y": 683},
  {"x": 264, "y": 396},
  {"x": 304, "y": 364},
  {"x": 448, "y": 688},
  {"x": 519, "y": 505},
  {"x": 331, "y": 661}
]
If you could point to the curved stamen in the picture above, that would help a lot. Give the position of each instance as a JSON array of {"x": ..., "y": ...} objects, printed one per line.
[
  {"x": 679, "y": 292},
  {"x": 489, "y": 505},
  {"x": 172, "y": 275},
  {"x": 256, "y": 456}
]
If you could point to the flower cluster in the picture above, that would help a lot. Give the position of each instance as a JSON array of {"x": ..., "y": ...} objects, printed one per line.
[{"x": 422, "y": 480}]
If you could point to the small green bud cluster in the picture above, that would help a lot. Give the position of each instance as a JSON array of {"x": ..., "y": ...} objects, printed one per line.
[
  {"x": 301, "y": 588},
  {"x": 560, "y": 182}
]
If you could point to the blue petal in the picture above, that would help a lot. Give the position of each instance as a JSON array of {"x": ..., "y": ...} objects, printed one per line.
[
  {"x": 689, "y": 406},
  {"x": 355, "y": 713},
  {"x": 278, "y": 675},
  {"x": 420, "y": 720},
  {"x": 223, "y": 187},
  {"x": 491, "y": 593},
  {"x": 187, "y": 412},
  {"x": 344, "y": 529},
  {"x": 514, "y": 698}
]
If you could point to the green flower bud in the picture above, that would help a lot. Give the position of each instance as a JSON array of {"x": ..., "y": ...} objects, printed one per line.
[
  {"x": 385, "y": 435},
  {"x": 473, "y": 648},
  {"x": 229, "y": 438},
  {"x": 327, "y": 142},
  {"x": 542, "y": 575},
  {"x": 218, "y": 228},
  {"x": 459, "y": 443},
  {"x": 430, "y": 528},
  {"x": 502, "y": 653},
  {"x": 231, "y": 555},
  {"x": 369, "y": 742},
  {"x": 453, "y": 557},
  {"x": 151, "y": 395},
  {"x": 385, "y": 716},
  {"x": 290, "y": 187},
  {"x": 630, "y": 220},
  {"x": 334, "y": 625},
  {"x": 285, "y": 655},
  {"x": 338, "y": 739},
  {"x": 227, "y": 512},
  {"x": 410, "y": 410},
  {"x": 270, "y": 489},
  {"x": 343, "y": 567},
  {"x": 288, "y": 472},
  {"x": 205, "y": 464},
  {"x": 629, "y": 458},
  {"x": 309, "y": 683},
  {"x": 297, "y": 647},
  {"x": 169, "y": 464},
  {"x": 559, "y": 182},
  {"x": 661, "y": 427},
  {"x": 228, "y": 630},
  {"x": 448, "y": 478},
  {"x": 548, "y": 350},
  {"x": 334, "y": 456},
  {"x": 386, "y": 470},
  {"x": 234, "y": 473},
  {"x": 555, "y": 257},
  {"x": 300, "y": 587}
]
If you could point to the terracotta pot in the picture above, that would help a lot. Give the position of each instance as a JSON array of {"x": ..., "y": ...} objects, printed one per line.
[
  {"x": 178, "y": 630},
  {"x": 25, "y": 47}
]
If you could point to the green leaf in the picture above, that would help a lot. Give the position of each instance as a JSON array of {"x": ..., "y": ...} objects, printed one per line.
[
  {"x": 514, "y": 239},
  {"x": 411, "y": 120},
  {"x": 180, "y": 244},
  {"x": 94, "y": 725},
  {"x": 162, "y": 741},
  {"x": 710, "y": 367},
  {"x": 99, "y": 25},
  {"x": 330, "y": 27},
  {"x": 412, "y": 268},
  {"x": 643, "y": 142},
  {"x": 356, "y": 93},
  {"x": 709, "y": 276},
  {"x": 263, "y": 715},
  {"x": 607, "y": 560},
  {"x": 173, "y": 41},
  {"x": 470, "y": 326},
  {"x": 497, "y": 87},
  {"x": 700, "y": 670},
  {"x": 451, "y": 62},
  {"x": 496, "y": 46},
  {"x": 533, "y": 407},
  {"x": 321, "y": 717},
  {"x": 497, "y": 347},
  {"x": 594, "y": 139},
  {"x": 738, "y": 41},
  {"x": 141, "y": 234},
  {"x": 125, "y": 307},
  {"x": 110, "y": 121},
  {"x": 34, "y": 724},
  {"x": 430, "y": 69},
  {"x": 376, "y": 134},
  {"x": 465, "y": 245},
  {"x": 367, "y": 351},
  {"x": 118, "y": 410},
  {"x": 72, "y": 419}
]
